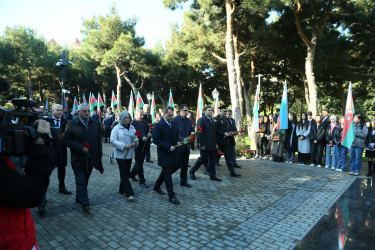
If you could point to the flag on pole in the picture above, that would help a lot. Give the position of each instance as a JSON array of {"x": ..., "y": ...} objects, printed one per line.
[
  {"x": 46, "y": 104},
  {"x": 93, "y": 103},
  {"x": 113, "y": 101},
  {"x": 200, "y": 104},
  {"x": 217, "y": 106},
  {"x": 348, "y": 131},
  {"x": 75, "y": 105},
  {"x": 170, "y": 102},
  {"x": 131, "y": 105},
  {"x": 153, "y": 108},
  {"x": 256, "y": 110},
  {"x": 100, "y": 104},
  {"x": 84, "y": 99},
  {"x": 65, "y": 102},
  {"x": 140, "y": 103},
  {"x": 90, "y": 97},
  {"x": 282, "y": 122}
]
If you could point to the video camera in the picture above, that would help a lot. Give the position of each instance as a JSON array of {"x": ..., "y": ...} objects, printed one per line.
[{"x": 17, "y": 129}]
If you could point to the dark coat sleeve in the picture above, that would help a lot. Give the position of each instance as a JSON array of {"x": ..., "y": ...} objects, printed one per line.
[
  {"x": 201, "y": 137},
  {"x": 26, "y": 191},
  {"x": 69, "y": 138},
  {"x": 158, "y": 140}
]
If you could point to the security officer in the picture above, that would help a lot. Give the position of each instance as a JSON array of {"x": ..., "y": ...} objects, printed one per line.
[{"x": 222, "y": 134}]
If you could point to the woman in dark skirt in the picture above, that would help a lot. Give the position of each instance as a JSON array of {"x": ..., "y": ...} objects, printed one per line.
[{"x": 370, "y": 149}]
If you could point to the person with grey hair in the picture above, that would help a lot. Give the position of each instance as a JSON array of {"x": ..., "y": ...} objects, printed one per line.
[
  {"x": 124, "y": 140},
  {"x": 82, "y": 136},
  {"x": 331, "y": 161}
]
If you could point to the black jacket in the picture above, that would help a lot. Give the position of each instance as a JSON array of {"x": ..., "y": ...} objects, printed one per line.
[
  {"x": 184, "y": 130},
  {"x": 370, "y": 137},
  {"x": 313, "y": 130},
  {"x": 60, "y": 151},
  {"x": 75, "y": 135},
  {"x": 330, "y": 136},
  {"x": 143, "y": 128},
  {"x": 208, "y": 138},
  {"x": 326, "y": 122},
  {"x": 291, "y": 137},
  {"x": 221, "y": 127},
  {"x": 320, "y": 134},
  {"x": 26, "y": 190},
  {"x": 232, "y": 128},
  {"x": 165, "y": 137}
]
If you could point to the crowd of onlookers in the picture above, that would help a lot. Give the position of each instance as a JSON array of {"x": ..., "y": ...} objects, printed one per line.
[{"x": 317, "y": 141}]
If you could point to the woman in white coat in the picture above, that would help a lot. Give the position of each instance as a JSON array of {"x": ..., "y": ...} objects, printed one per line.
[
  {"x": 303, "y": 132},
  {"x": 124, "y": 140}
]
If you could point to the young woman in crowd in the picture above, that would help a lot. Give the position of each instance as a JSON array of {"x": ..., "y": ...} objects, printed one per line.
[
  {"x": 291, "y": 142},
  {"x": 268, "y": 138},
  {"x": 124, "y": 140},
  {"x": 358, "y": 145},
  {"x": 341, "y": 151},
  {"x": 370, "y": 148},
  {"x": 259, "y": 137},
  {"x": 318, "y": 140},
  {"x": 331, "y": 143},
  {"x": 303, "y": 132},
  {"x": 278, "y": 144}
]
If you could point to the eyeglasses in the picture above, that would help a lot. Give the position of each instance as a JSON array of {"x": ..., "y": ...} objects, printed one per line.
[{"x": 127, "y": 117}]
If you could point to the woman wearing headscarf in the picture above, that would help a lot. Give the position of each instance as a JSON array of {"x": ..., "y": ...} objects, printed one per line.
[
  {"x": 303, "y": 132},
  {"x": 358, "y": 145},
  {"x": 370, "y": 148},
  {"x": 331, "y": 143},
  {"x": 124, "y": 140}
]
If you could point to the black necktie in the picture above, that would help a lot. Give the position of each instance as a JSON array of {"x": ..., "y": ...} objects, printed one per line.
[{"x": 58, "y": 123}]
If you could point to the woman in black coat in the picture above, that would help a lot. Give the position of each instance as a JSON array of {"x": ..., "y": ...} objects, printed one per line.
[
  {"x": 291, "y": 143},
  {"x": 268, "y": 138},
  {"x": 370, "y": 148}
]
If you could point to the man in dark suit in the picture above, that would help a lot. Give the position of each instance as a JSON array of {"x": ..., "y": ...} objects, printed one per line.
[
  {"x": 318, "y": 142},
  {"x": 231, "y": 140},
  {"x": 185, "y": 129},
  {"x": 223, "y": 134},
  {"x": 140, "y": 153},
  {"x": 325, "y": 120},
  {"x": 95, "y": 115},
  {"x": 147, "y": 117},
  {"x": 166, "y": 136},
  {"x": 108, "y": 120},
  {"x": 207, "y": 144},
  {"x": 312, "y": 136},
  {"x": 82, "y": 136},
  {"x": 59, "y": 155}
]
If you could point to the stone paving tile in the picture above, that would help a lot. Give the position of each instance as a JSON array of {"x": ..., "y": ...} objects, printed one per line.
[{"x": 271, "y": 206}]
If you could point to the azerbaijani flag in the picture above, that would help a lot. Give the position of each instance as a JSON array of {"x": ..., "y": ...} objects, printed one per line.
[
  {"x": 282, "y": 122},
  {"x": 348, "y": 132},
  {"x": 100, "y": 104},
  {"x": 256, "y": 110},
  {"x": 217, "y": 106},
  {"x": 131, "y": 105},
  {"x": 75, "y": 105},
  {"x": 90, "y": 97},
  {"x": 153, "y": 108},
  {"x": 139, "y": 103},
  {"x": 113, "y": 102},
  {"x": 200, "y": 104},
  {"x": 65, "y": 102},
  {"x": 84, "y": 99},
  {"x": 93, "y": 103},
  {"x": 46, "y": 104},
  {"x": 170, "y": 102}
]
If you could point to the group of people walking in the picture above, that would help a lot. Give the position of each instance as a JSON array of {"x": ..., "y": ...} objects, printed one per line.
[{"x": 314, "y": 137}]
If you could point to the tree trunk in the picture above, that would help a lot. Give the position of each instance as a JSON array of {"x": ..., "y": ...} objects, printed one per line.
[
  {"x": 232, "y": 75},
  {"x": 132, "y": 85},
  {"x": 161, "y": 98},
  {"x": 119, "y": 85},
  {"x": 41, "y": 95},
  {"x": 309, "y": 68},
  {"x": 306, "y": 87},
  {"x": 238, "y": 72},
  {"x": 104, "y": 97},
  {"x": 30, "y": 83}
]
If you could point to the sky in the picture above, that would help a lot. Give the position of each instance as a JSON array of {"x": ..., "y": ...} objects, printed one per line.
[{"x": 62, "y": 20}]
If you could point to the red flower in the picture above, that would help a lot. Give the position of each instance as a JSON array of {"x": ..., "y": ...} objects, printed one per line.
[
  {"x": 235, "y": 132},
  {"x": 220, "y": 153},
  {"x": 86, "y": 145},
  {"x": 138, "y": 134},
  {"x": 193, "y": 125},
  {"x": 242, "y": 131},
  {"x": 151, "y": 127}
]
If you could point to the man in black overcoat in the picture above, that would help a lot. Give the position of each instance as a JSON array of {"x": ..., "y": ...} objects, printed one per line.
[
  {"x": 147, "y": 117},
  {"x": 185, "y": 129},
  {"x": 207, "y": 145},
  {"x": 231, "y": 140},
  {"x": 165, "y": 137},
  {"x": 81, "y": 131}
]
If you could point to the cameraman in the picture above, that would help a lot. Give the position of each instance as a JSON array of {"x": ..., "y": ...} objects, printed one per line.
[{"x": 20, "y": 192}]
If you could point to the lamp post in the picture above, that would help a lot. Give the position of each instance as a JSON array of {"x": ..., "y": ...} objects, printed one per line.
[
  {"x": 215, "y": 94},
  {"x": 149, "y": 97},
  {"x": 63, "y": 62}
]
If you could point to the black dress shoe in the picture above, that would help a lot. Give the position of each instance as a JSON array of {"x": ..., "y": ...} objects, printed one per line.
[
  {"x": 215, "y": 179},
  {"x": 174, "y": 200},
  {"x": 86, "y": 208},
  {"x": 206, "y": 172},
  {"x": 134, "y": 178},
  {"x": 64, "y": 191},
  {"x": 150, "y": 161},
  {"x": 185, "y": 185},
  {"x": 143, "y": 185},
  {"x": 236, "y": 166},
  {"x": 235, "y": 174},
  {"x": 192, "y": 175},
  {"x": 41, "y": 211},
  {"x": 159, "y": 191}
]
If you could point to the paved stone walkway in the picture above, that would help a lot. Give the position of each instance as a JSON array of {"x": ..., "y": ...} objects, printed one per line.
[{"x": 271, "y": 206}]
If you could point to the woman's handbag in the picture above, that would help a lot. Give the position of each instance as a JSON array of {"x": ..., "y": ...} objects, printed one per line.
[{"x": 276, "y": 138}]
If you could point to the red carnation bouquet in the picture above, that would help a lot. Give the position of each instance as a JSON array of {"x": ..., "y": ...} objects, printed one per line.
[
  {"x": 86, "y": 145},
  {"x": 150, "y": 131},
  {"x": 191, "y": 138},
  {"x": 220, "y": 153},
  {"x": 136, "y": 137}
]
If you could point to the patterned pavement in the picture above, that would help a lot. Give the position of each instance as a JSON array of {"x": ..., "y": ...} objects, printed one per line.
[{"x": 271, "y": 206}]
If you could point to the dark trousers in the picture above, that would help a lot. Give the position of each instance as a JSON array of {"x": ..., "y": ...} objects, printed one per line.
[
  {"x": 138, "y": 166},
  {"x": 316, "y": 150},
  {"x": 206, "y": 156},
  {"x": 268, "y": 144},
  {"x": 107, "y": 134},
  {"x": 148, "y": 153},
  {"x": 233, "y": 154},
  {"x": 227, "y": 156},
  {"x": 166, "y": 175},
  {"x": 125, "y": 186},
  {"x": 302, "y": 158},
  {"x": 82, "y": 177},
  {"x": 183, "y": 162},
  {"x": 259, "y": 143},
  {"x": 61, "y": 176}
]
